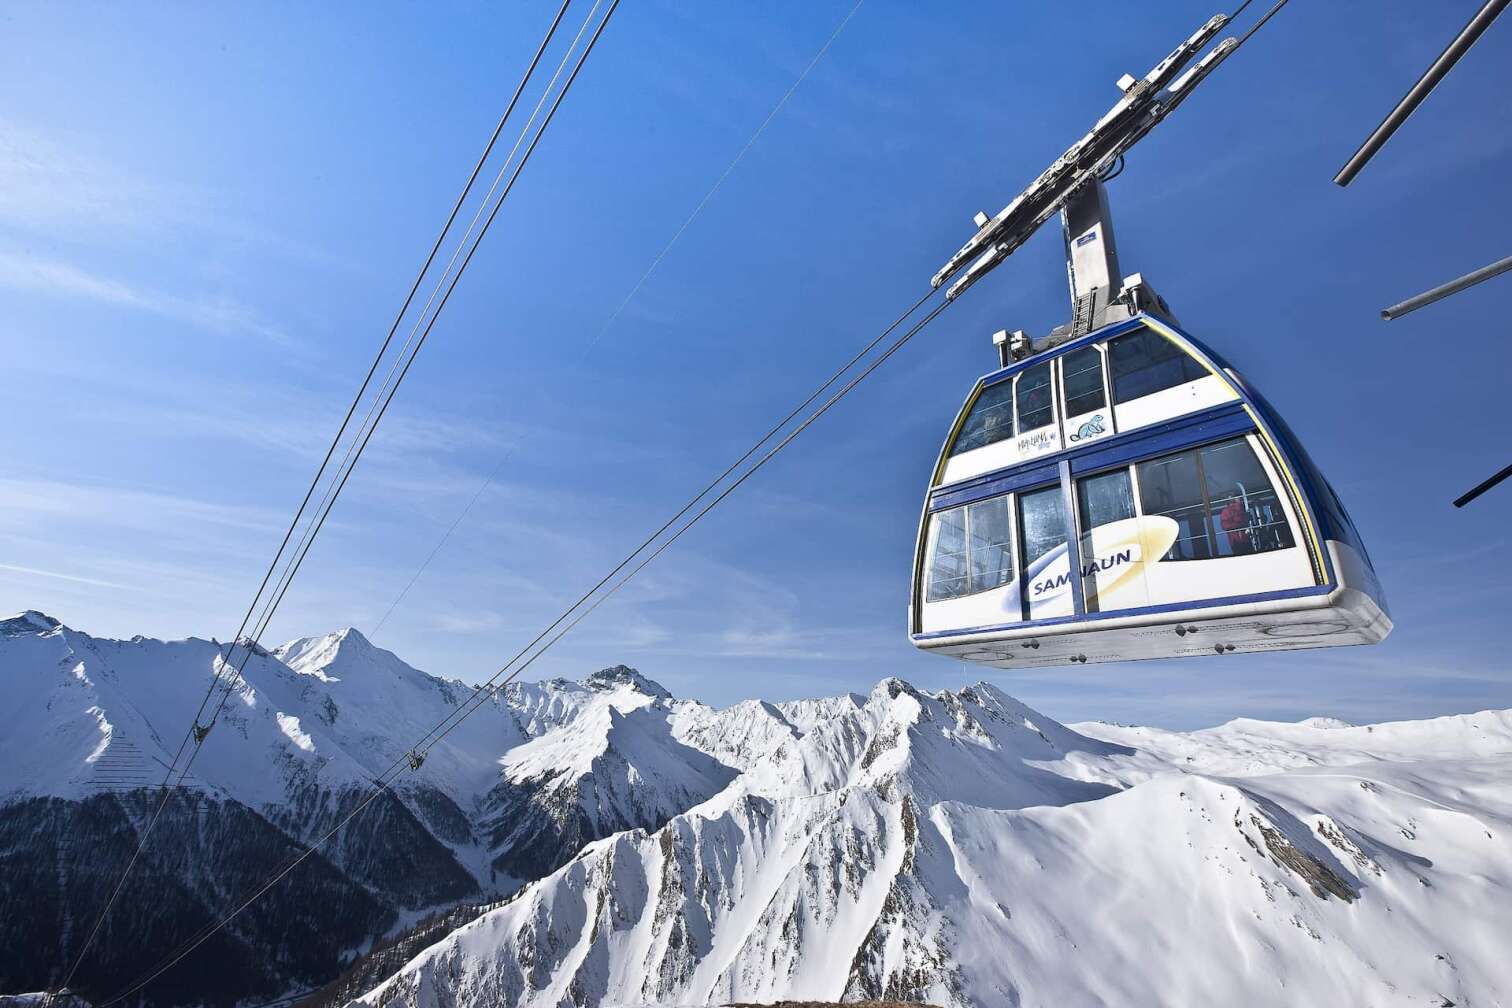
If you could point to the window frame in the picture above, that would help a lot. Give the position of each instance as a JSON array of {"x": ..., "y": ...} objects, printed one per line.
[
  {"x": 1099, "y": 348},
  {"x": 1012, "y": 404},
  {"x": 1052, "y": 367},
  {"x": 1010, "y": 503},
  {"x": 1206, "y": 503},
  {"x": 1148, "y": 332}
]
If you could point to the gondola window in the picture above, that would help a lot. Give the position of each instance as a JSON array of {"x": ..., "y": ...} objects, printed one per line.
[
  {"x": 989, "y": 531},
  {"x": 1044, "y": 522},
  {"x": 1036, "y": 407},
  {"x": 1144, "y": 362},
  {"x": 990, "y": 419},
  {"x": 971, "y": 550},
  {"x": 1105, "y": 498},
  {"x": 1101, "y": 501},
  {"x": 1221, "y": 500},
  {"x": 1083, "y": 381}
]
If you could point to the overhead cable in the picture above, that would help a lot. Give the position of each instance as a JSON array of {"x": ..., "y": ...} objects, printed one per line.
[
  {"x": 384, "y": 781},
  {"x": 195, "y": 732},
  {"x": 614, "y": 315}
]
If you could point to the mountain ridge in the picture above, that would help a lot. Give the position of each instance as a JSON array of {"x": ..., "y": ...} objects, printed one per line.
[
  {"x": 96, "y": 723},
  {"x": 958, "y": 848},
  {"x": 952, "y": 847}
]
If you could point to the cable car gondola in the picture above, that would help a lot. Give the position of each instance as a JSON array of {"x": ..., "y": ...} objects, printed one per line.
[{"x": 1116, "y": 491}]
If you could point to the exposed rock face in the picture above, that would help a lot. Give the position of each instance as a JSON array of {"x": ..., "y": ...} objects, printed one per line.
[
  {"x": 62, "y": 859},
  {"x": 513, "y": 794},
  {"x": 620, "y": 676}
]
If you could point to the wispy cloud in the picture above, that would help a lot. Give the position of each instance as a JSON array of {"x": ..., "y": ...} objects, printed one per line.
[
  {"x": 44, "y": 184},
  {"x": 56, "y": 278},
  {"x": 59, "y": 576},
  {"x": 53, "y": 183},
  {"x": 468, "y": 623},
  {"x": 25, "y": 502}
]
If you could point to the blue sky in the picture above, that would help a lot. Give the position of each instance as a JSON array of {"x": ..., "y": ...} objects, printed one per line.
[{"x": 209, "y": 214}]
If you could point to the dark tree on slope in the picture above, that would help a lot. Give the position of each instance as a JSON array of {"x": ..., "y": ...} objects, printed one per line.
[{"x": 63, "y": 857}]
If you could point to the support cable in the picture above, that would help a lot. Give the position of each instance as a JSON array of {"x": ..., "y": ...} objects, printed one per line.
[
  {"x": 1419, "y": 91},
  {"x": 298, "y": 559},
  {"x": 1481, "y": 488},
  {"x": 614, "y": 315},
  {"x": 727, "y": 172},
  {"x": 664, "y": 545},
  {"x": 196, "y": 732},
  {"x": 409, "y": 349},
  {"x": 385, "y": 780},
  {"x": 1275, "y": 8},
  {"x": 1442, "y": 291},
  {"x": 648, "y": 541}
]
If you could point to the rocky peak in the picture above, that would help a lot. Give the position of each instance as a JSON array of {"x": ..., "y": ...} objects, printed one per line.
[
  {"x": 29, "y": 621},
  {"x": 617, "y": 676}
]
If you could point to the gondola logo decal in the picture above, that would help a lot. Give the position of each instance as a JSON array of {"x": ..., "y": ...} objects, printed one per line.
[
  {"x": 1090, "y": 429},
  {"x": 1037, "y": 442},
  {"x": 1111, "y": 555}
]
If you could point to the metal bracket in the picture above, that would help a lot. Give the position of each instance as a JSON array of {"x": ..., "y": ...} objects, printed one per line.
[{"x": 1143, "y": 104}]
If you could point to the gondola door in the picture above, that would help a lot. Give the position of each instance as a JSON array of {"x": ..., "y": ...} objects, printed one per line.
[{"x": 1043, "y": 529}]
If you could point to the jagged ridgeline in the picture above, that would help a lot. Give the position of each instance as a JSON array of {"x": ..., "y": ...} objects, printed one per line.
[
  {"x": 510, "y": 796},
  {"x": 953, "y": 848},
  {"x": 959, "y": 849}
]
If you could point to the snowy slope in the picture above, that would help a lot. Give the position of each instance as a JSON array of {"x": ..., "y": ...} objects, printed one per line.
[
  {"x": 961, "y": 849},
  {"x": 331, "y": 713},
  {"x": 511, "y": 794}
]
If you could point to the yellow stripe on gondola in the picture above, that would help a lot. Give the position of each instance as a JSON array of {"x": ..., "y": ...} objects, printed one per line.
[
  {"x": 955, "y": 430},
  {"x": 923, "y": 538},
  {"x": 1314, "y": 541}
]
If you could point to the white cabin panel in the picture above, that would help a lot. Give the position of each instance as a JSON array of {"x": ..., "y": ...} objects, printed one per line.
[
  {"x": 985, "y": 459},
  {"x": 1040, "y": 441},
  {"x": 1222, "y": 577},
  {"x": 993, "y": 607},
  {"x": 1176, "y": 401}
]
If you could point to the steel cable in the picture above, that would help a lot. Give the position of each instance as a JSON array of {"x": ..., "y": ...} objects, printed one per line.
[
  {"x": 396, "y": 372},
  {"x": 223, "y": 660},
  {"x": 614, "y": 315}
]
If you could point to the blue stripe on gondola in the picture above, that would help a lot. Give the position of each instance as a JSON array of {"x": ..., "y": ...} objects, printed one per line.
[
  {"x": 1141, "y": 611},
  {"x": 1211, "y": 424}
]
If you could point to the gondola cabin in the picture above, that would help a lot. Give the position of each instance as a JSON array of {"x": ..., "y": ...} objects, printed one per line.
[
  {"x": 1115, "y": 491},
  {"x": 1127, "y": 495}
]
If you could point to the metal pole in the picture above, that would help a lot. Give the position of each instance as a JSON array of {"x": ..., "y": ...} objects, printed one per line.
[
  {"x": 1452, "y": 287},
  {"x": 1435, "y": 73},
  {"x": 1073, "y": 539},
  {"x": 1482, "y": 488}
]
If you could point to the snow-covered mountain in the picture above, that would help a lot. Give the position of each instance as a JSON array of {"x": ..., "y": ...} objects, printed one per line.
[
  {"x": 961, "y": 849},
  {"x": 510, "y": 795},
  {"x": 957, "y": 848}
]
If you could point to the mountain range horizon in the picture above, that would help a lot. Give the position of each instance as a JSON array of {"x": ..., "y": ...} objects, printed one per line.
[{"x": 601, "y": 842}]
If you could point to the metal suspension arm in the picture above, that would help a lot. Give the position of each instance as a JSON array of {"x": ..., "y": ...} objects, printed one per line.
[
  {"x": 1145, "y": 102},
  {"x": 1444, "y": 290},
  {"x": 1424, "y": 86}
]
